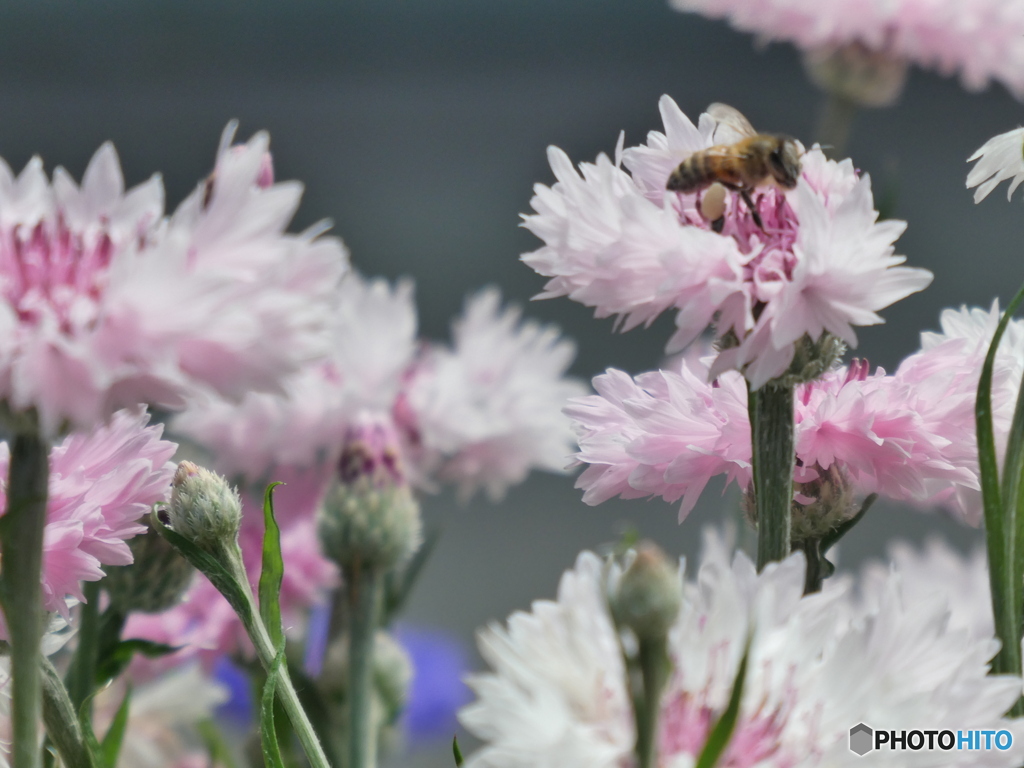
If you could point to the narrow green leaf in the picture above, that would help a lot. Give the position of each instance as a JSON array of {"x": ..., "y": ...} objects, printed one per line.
[
  {"x": 721, "y": 731},
  {"x": 268, "y": 733},
  {"x": 272, "y": 572},
  {"x": 457, "y": 752},
  {"x": 1002, "y": 527},
  {"x": 1013, "y": 489},
  {"x": 89, "y": 737},
  {"x": 210, "y": 567},
  {"x": 120, "y": 656},
  {"x": 111, "y": 745},
  {"x": 271, "y": 576}
]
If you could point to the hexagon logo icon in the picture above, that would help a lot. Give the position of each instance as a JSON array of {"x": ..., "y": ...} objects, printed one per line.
[{"x": 861, "y": 738}]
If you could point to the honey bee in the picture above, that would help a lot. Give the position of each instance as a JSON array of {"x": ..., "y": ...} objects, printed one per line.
[{"x": 744, "y": 161}]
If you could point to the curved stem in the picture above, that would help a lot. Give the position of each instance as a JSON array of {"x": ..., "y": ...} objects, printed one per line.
[{"x": 21, "y": 552}]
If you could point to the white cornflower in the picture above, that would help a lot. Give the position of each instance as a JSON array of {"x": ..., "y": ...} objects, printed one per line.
[{"x": 818, "y": 665}]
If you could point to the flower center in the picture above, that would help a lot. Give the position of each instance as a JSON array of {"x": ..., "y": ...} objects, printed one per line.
[
  {"x": 51, "y": 274},
  {"x": 686, "y": 722}
]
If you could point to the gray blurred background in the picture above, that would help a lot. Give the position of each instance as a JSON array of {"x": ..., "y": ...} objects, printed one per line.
[{"x": 419, "y": 128}]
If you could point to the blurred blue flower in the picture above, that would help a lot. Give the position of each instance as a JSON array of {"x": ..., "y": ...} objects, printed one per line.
[
  {"x": 440, "y": 661},
  {"x": 240, "y": 709}
]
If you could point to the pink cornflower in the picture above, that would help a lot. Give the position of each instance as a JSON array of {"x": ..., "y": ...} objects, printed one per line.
[
  {"x": 667, "y": 433},
  {"x": 621, "y": 243},
  {"x": 982, "y": 40},
  {"x": 101, "y": 483},
  {"x": 487, "y": 411},
  {"x": 480, "y": 414},
  {"x": 105, "y": 302}
]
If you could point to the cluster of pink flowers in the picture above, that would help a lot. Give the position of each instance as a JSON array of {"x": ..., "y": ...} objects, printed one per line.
[
  {"x": 908, "y": 436},
  {"x": 479, "y": 414},
  {"x": 623, "y": 244},
  {"x": 983, "y": 40}
]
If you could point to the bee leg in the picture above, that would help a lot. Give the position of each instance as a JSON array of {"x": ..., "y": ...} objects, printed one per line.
[
  {"x": 718, "y": 225},
  {"x": 745, "y": 194}
]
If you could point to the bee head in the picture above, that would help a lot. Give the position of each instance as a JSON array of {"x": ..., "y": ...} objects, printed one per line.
[{"x": 784, "y": 163}]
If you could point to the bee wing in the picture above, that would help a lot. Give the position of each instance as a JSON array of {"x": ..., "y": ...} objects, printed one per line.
[{"x": 731, "y": 125}]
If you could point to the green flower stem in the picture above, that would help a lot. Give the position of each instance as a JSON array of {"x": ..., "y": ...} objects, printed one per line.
[
  {"x": 771, "y": 431},
  {"x": 285, "y": 691},
  {"x": 364, "y": 589},
  {"x": 652, "y": 657},
  {"x": 21, "y": 552},
  {"x": 82, "y": 675},
  {"x": 834, "y": 123}
]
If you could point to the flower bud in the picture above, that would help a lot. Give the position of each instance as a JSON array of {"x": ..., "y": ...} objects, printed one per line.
[
  {"x": 370, "y": 517},
  {"x": 204, "y": 508},
  {"x": 154, "y": 582},
  {"x": 648, "y": 595},
  {"x": 858, "y": 74},
  {"x": 372, "y": 527}
]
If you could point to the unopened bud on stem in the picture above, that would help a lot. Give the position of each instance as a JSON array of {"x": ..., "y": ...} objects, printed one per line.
[
  {"x": 204, "y": 508},
  {"x": 370, "y": 517},
  {"x": 648, "y": 595}
]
